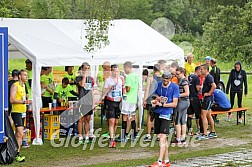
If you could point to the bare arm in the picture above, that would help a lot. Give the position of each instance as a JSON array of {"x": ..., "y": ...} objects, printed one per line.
[
  {"x": 173, "y": 104},
  {"x": 213, "y": 87},
  {"x": 198, "y": 87},
  {"x": 147, "y": 89},
  {"x": 83, "y": 81},
  {"x": 13, "y": 99}
]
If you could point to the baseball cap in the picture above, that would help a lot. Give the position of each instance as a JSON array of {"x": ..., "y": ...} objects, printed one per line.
[
  {"x": 167, "y": 75},
  {"x": 208, "y": 58}
]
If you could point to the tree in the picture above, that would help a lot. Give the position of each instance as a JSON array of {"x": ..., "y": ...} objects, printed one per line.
[
  {"x": 7, "y": 9},
  {"x": 228, "y": 33}
]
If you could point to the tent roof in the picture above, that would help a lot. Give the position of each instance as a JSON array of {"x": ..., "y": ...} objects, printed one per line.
[{"x": 56, "y": 42}]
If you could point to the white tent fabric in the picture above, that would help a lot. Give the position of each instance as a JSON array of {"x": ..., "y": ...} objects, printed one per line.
[{"x": 54, "y": 42}]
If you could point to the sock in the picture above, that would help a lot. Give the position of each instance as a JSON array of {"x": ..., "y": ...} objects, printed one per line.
[
  {"x": 87, "y": 138},
  {"x": 133, "y": 126},
  {"x": 229, "y": 115},
  {"x": 148, "y": 135},
  {"x": 182, "y": 139},
  {"x": 166, "y": 161},
  {"x": 80, "y": 138},
  {"x": 178, "y": 139},
  {"x": 124, "y": 126},
  {"x": 189, "y": 123}
]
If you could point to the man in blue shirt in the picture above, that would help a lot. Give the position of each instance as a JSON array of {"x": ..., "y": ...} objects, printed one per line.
[
  {"x": 167, "y": 94},
  {"x": 221, "y": 102}
]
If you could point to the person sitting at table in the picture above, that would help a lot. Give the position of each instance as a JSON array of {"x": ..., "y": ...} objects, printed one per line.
[{"x": 62, "y": 90}]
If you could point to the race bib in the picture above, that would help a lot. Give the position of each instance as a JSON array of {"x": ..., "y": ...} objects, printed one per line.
[
  {"x": 116, "y": 93},
  {"x": 166, "y": 117},
  {"x": 237, "y": 82},
  {"x": 88, "y": 86}
]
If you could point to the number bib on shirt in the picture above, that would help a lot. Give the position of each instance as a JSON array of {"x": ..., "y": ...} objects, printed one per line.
[
  {"x": 117, "y": 94},
  {"x": 88, "y": 86}
]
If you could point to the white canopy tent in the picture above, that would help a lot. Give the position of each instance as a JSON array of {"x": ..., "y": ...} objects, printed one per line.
[{"x": 52, "y": 42}]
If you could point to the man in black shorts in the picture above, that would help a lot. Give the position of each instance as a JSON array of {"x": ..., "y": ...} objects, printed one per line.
[
  {"x": 167, "y": 94},
  {"x": 86, "y": 94},
  {"x": 19, "y": 101},
  {"x": 207, "y": 92},
  {"x": 113, "y": 89},
  {"x": 195, "y": 104}
]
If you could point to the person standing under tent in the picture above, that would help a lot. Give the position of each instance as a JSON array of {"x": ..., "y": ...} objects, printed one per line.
[
  {"x": 181, "y": 110},
  {"x": 47, "y": 83},
  {"x": 195, "y": 102},
  {"x": 113, "y": 91},
  {"x": 207, "y": 92},
  {"x": 19, "y": 101},
  {"x": 237, "y": 78},
  {"x": 130, "y": 103},
  {"x": 85, "y": 85},
  {"x": 167, "y": 95},
  {"x": 151, "y": 86},
  {"x": 189, "y": 65},
  {"x": 72, "y": 82},
  {"x": 29, "y": 71}
]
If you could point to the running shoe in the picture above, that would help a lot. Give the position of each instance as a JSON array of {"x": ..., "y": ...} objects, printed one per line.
[
  {"x": 202, "y": 137},
  {"x": 212, "y": 135},
  {"x": 106, "y": 135},
  {"x": 147, "y": 139},
  {"x": 112, "y": 144},
  {"x": 166, "y": 164},
  {"x": 156, "y": 164},
  {"x": 20, "y": 158},
  {"x": 25, "y": 145},
  {"x": 240, "y": 120},
  {"x": 175, "y": 142}
]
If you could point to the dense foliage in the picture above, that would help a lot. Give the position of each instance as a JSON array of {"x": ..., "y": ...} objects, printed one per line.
[{"x": 218, "y": 28}]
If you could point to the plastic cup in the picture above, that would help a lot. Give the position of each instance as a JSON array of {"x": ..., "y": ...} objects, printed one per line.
[
  {"x": 54, "y": 103},
  {"x": 50, "y": 106}
]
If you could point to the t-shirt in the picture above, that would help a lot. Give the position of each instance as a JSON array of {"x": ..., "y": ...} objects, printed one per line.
[
  {"x": 221, "y": 99},
  {"x": 207, "y": 86},
  {"x": 153, "y": 87},
  {"x": 190, "y": 68},
  {"x": 114, "y": 94},
  {"x": 20, "y": 95},
  {"x": 171, "y": 92},
  {"x": 71, "y": 78},
  {"x": 132, "y": 81},
  {"x": 85, "y": 93},
  {"x": 183, "y": 83},
  {"x": 63, "y": 92},
  {"x": 48, "y": 80},
  {"x": 193, "y": 82}
]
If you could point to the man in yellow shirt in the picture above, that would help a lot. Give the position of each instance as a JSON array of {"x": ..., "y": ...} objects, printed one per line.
[
  {"x": 189, "y": 65},
  {"x": 19, "y": 101}
]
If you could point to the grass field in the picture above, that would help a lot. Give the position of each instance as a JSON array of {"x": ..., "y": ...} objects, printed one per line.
[{"x": 228, "y": 134}]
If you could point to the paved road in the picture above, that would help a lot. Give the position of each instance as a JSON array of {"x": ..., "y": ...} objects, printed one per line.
[{"x": 239, "y": 158}]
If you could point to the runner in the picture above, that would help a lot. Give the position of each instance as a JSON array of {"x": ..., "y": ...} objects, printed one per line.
[
  {"x": 207, "y": 92},
  {"x": 113, "y": 90},
  {"x": 181, "y": 110},
  {"x": 19, "y": 101},
  {"x": 130, "y": 103},
  {"x": 150, "y": 89},
  {"x": 86, "y": 94},
  {"x": 167, "y": 98},
  {"x": 195, "y": 104}
]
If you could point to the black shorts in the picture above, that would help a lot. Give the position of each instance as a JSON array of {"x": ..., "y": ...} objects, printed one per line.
[
  {"x": 17, "y": 119},
  {"x": 206, "y": 104},
  {"x": 86, "y": 110},
  {"x": 72, "y": 98},
  {"x": 114, "y": 110},
  {"x": 195, "y": 107},
  {"x": 161, "y": 126},
  {"x": 216, "y": 107}
]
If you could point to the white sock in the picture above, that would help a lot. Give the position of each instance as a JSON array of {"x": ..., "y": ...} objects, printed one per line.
[
  {"x": 148, "y": 135},
  {"x": 167, "y": 161},
  {"x": 80, "y": 138}
]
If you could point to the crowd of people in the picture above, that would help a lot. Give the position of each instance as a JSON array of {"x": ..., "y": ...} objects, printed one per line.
[{"x": 173, "y": 96}]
